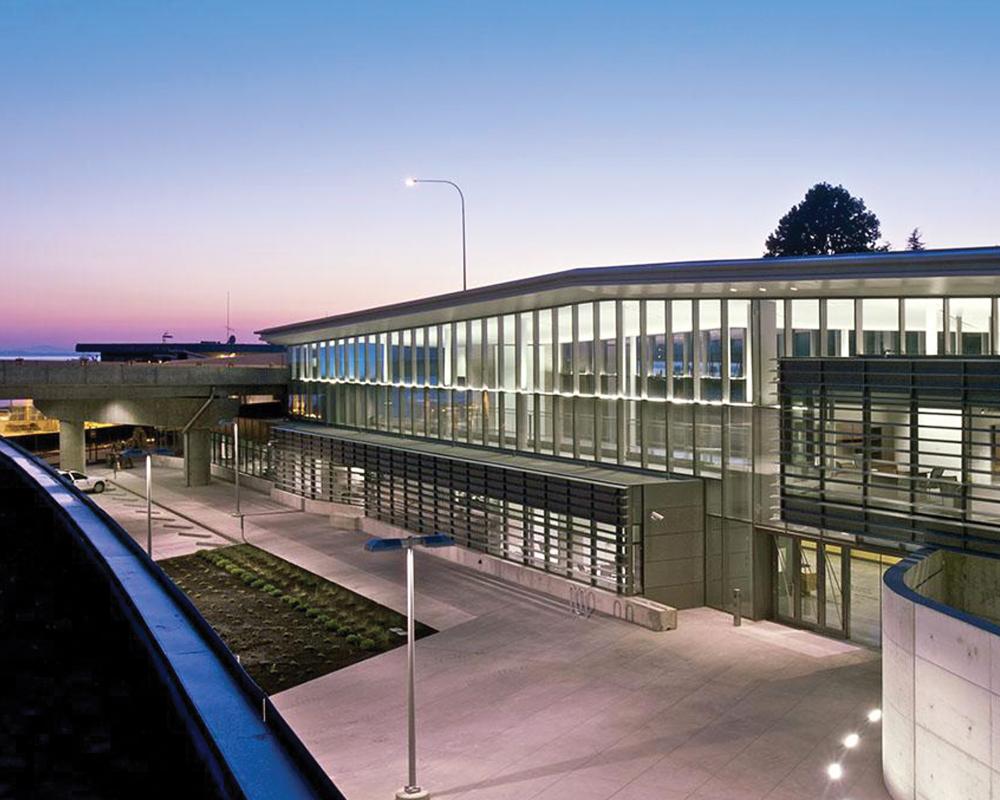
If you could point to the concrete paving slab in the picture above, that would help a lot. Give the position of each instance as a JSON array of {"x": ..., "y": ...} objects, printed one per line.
[{"x": 519, "y": 698}]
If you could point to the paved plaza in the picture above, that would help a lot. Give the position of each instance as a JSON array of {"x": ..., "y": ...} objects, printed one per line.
[{"x": 519, "y": 698}]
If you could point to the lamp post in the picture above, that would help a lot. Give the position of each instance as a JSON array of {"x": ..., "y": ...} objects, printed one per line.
[
  {"x": 461, "y": 197},
  {"x": 149, "y": 505},
  {"x": 411, "y": 790},
  {"x": 236, "y": 463}
]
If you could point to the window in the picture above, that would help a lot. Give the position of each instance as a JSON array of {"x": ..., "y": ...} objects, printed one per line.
[
  {"x": 433, "y": 357},
  {"x": 395, "y": 357},
  {"x": 474, "y": 353},
  {"x": 739, "y": 350},
  {"x": 633, "y": 433},
  {"x": 382, "y": 370},
  {"x": 880, "y": 320},
  {"x": 607, "y": 334},
  {"x": 419, "y": 356},
  {"x": 631, "y": 379},
  {"x": 564, "y": 349},
  {"x": 461, "y": 362},
  {"x": 708, "y": 439},
  {"x": 444, "y": 355},
  {"x": 924, "y": 320},
  {"x": 681, "y": 438},
  {"x": 654, "y": 433},
  {"x": 969, "y": 321},
  {"x": 546, "y": 351},
  {"x": 406, "y": 357},
  {"x": 656, "y": 349},
  {"x": 608, "y": 411},
  {"x": 526, "y": 379},
  {"x": 682, "y": 348},
  {"x": 509, "y": 352},
  {"x": 585, "y": 428},
  {"x": 840, "y": 341},
  {"x": 444, "y": 413},
  {"x": 710, "y": 350},
  {"x": 362, "y": 359},
  {"x": 491, "y": 360},
  {"x": 585, "y": 347},
  {"x": 805, "y": 328},
  {"x": 737, "y": 485},
  {"x": 545, "y": 422},
  {"x": 352, "y": 370}
]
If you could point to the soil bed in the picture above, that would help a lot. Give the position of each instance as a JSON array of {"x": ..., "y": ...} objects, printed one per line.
[{"x": 287, "y": 625}]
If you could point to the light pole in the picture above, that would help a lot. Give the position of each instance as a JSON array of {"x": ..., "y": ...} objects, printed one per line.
[
  {"x": 149, "y": 505},
  {"x": 236, "y": 463},
  {"x": 411, "y": 790},
  {"x": 461, "y": 197}
]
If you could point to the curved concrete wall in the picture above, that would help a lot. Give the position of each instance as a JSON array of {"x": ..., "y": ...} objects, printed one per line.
[{"x": 940, "y": 683}]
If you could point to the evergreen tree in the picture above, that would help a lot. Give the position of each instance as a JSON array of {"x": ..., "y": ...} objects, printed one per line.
[
  {"x": 829, "y": 220},
  {"x": 914, "y": 242}
]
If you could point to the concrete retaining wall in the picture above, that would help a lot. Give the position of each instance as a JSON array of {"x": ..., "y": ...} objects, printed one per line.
[
  {"x": 940, "y": 690},
  {"x": 637, "y": 610},
  {"x": 246, "y": 481},
  {"x": 342, "y": 516}
]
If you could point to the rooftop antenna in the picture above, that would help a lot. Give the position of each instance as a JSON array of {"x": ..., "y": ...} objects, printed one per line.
[
  {"x": 230, "y": 331},
  {"x": 166, "y": 335}
]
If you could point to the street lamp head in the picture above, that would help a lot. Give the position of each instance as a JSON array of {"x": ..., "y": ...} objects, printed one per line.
[
  {"x": 380, "y": 545},
  {"x": 410, "y": 181}
]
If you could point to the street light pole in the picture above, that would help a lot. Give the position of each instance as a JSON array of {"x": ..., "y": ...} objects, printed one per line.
[
  {"x": 412, "y": 790},
  {"x": 149, "y": 505},
  {"x": 461, "y": 197},
  {"x": 236, "y": 463}
]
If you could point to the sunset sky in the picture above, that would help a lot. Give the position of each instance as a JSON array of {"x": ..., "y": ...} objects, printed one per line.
[{"x": 154, "y": 155}]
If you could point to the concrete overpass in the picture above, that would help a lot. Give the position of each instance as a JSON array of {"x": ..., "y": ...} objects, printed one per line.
[{"x": 190, "y": 396}]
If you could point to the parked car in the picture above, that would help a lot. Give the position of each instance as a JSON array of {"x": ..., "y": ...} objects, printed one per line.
[{"x": 83, "y": 482}]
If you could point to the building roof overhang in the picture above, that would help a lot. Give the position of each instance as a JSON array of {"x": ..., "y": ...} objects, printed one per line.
[{"x": 966, "y": 271}]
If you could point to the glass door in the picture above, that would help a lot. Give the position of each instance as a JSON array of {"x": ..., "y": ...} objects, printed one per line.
[
  {"x": 784, "y": 580},
  {"x": 834, "y": 578},
  {"x": 811, "y": 579}
]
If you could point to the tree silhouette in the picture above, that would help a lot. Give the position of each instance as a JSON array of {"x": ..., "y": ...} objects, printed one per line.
[
  {"x": 914, "y": 242},
  {"x": 829, "y": 220}
]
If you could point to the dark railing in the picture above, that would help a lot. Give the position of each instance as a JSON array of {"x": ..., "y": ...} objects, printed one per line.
[{"x": 120, "y": 687}]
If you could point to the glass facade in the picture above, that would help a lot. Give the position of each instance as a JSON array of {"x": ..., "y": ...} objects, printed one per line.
[{"x": 681, "y": 386}]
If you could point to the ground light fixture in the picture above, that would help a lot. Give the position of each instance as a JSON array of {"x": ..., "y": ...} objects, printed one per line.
[
  {"x": 411, "y": 790},
  {"x": 411, "y": 182},
  {"x": 851, "y": 741},
  {"x": 835, "y": 772},
  {"x": 875, "y": 715}
]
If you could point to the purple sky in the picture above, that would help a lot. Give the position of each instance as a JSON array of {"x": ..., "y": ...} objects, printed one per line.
[{"x": 154, "y": 156}]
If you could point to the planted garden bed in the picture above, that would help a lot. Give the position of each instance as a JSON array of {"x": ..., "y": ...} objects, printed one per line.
[{"x": 287, "y": 625}]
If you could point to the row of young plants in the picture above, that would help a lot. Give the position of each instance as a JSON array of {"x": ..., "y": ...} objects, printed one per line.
[{"x": 339, "y": 614}]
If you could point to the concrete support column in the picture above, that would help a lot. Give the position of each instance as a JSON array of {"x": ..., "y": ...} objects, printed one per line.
[
  {"x": 72, "y": 445},
  {"x": 197, "y": 457}
]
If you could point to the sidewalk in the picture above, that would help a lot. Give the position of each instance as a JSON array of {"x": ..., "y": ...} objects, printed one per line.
[{"x": 519, "y": 698}]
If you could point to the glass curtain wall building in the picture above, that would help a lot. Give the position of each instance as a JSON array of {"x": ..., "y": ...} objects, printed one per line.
[{"x": 731, "y": 373}]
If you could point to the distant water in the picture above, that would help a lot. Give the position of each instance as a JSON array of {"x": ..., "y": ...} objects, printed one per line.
[{"x": 10, "y": 356}]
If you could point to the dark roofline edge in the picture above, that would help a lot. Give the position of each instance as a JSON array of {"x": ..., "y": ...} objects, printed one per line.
[{"x": 731, "y": 270}]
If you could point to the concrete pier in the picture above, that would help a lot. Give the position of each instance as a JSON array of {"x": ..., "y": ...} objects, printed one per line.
[
  {"x": 72, "y": 445},
  {"x": 197, "y": 457}
]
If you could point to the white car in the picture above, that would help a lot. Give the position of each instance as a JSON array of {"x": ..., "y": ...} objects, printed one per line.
[{"x": 83, "y": 482}]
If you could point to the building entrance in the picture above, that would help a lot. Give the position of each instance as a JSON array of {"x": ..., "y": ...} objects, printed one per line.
[{"x": 831, "y": 588}]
